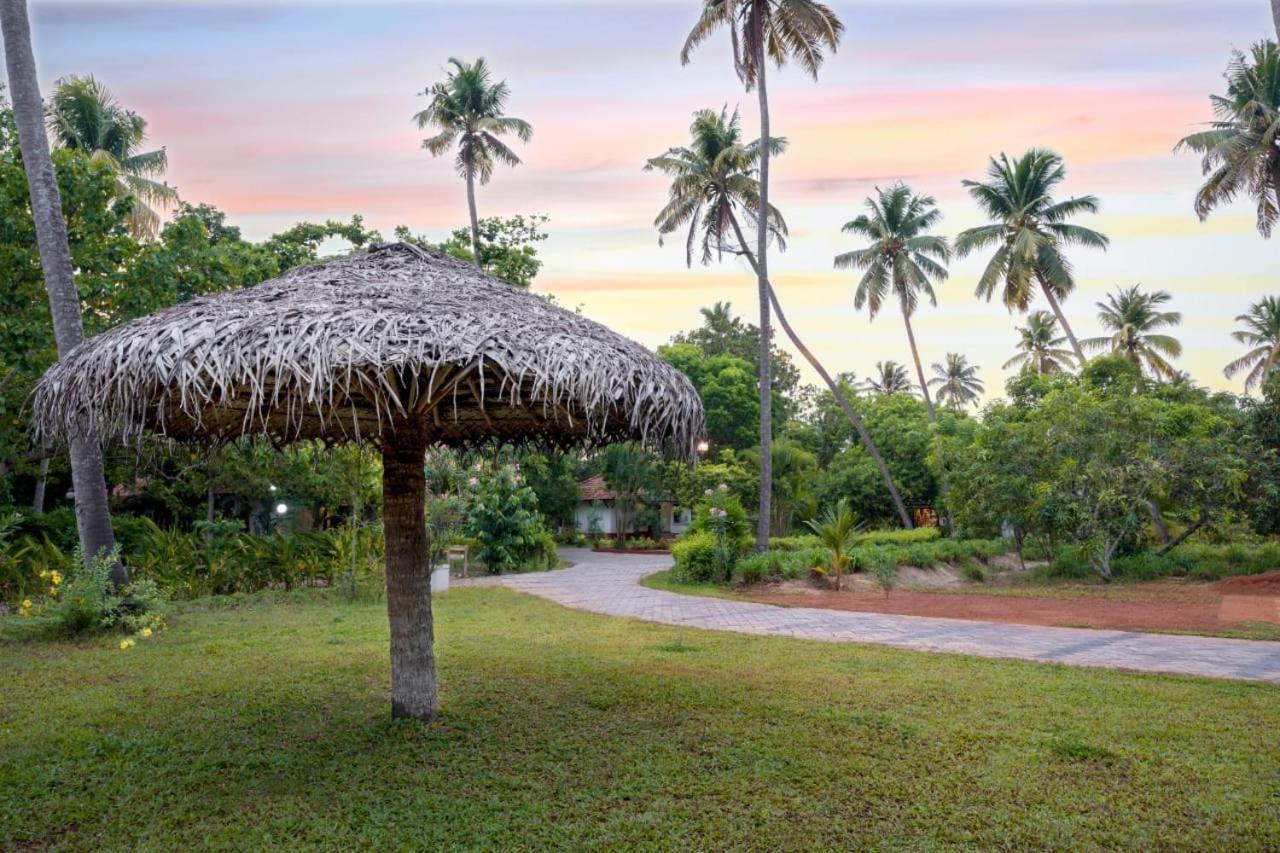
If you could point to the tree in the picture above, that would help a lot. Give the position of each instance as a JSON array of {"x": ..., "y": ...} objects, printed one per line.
[
  {"x": 838, "y": 530},
  {"x": 726, "y": 385},
  {"x": 721, "y": 331},
  {"x": 724, "y": 333},
  {"x": 957, "y": 382},
  {"x": 761, "y": 30},
  {"x": 712, "y": 179},
  {"x": 508, "y": 247},
  {"x": 92, "y": 517},
  {"x": 1133, "y": 318},
  {"x": 1040, "y": 346},
  {"x": 467, "y": 108},
  {"x": 902, "y": 261},
  {"x": 1264, "y": 455},
  {"x": 1239, "y": 151},
  {"x": 1261, "y": 333},
  {"x": 1029, "y": 230},
  {"x": 891, "y": 378},
  {"x": 631, "y": 473},
  {"x": 85, "y": 116}
]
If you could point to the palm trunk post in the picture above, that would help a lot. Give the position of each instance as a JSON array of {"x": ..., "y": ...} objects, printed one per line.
[
  {"x": 93, "y": 519},
  {"x": 413, "y": 661},
  {"x": 471, "y": 210},
  {"x": 834, "y": 386},
  {"x": 1062, "y": 318},
  {"x": 762, "y": 286},
  {"x": 1275, "y": 14},
  {"x": 933, "y": 414}
]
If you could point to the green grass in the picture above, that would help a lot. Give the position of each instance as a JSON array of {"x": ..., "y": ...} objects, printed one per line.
[
  {"x": 666, "y": 580},
  {"x": 266, "y": 724}
]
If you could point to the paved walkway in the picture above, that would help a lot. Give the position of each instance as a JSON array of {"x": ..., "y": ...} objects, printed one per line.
[{"x": 610, "y": 584}]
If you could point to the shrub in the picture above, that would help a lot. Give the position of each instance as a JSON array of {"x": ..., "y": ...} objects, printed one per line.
[
  {"x": 86, "y": 603},
  {"x": 502, "y": 518},
  {"x": 792, "y": 543},
  {"x": 641, "y": 543},
  {"x": 885, "y": 572},
  {"x": 701, "y": 558},
  {"x": 973, "y": 572},
  {"x": 901, "y": 537}
]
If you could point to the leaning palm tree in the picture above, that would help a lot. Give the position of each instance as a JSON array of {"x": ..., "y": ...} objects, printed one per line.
[
  {"x": 93, "y": 519},
  {"x": 467, "y": 108},
  {"x": 890, "y": 378},
  {"x": 713, "y": 183},
  {"x": 902, "y": 261},
  {"x": 83, "y": 114},
  {"x": 1040, "y": 346},
  {"x": 957, "y": 381},
  {"x": 1261, "y": 333},
  {"x": 760, "y": 30},
  {"x": 1240, "y": 151},
  {"x": 1028, "y": 230},
  {"x": 1133, "y": 318}
]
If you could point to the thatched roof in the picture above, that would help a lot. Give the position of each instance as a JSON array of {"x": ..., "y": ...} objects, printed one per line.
[{"x": 342, "y": 349}]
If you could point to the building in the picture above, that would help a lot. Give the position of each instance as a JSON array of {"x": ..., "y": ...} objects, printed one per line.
[{"x": 597, "y": 502}]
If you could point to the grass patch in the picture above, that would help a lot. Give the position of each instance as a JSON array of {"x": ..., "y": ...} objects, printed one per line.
[
  {"x": 666, "y": 580},
  {"x": 265, "y": 724}
]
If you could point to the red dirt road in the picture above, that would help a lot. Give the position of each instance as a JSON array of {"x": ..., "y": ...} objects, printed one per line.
[{"x": 1165, "y": 606}]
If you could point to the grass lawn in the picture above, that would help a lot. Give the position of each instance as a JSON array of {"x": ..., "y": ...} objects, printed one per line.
[{"x": 266, "y": 724}]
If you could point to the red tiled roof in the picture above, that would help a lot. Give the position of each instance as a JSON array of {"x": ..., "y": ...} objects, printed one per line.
[{"x": 595, "y": 489}]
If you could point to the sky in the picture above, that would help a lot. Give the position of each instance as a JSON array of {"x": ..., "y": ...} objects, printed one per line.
[{"x": 288, "y": 111}]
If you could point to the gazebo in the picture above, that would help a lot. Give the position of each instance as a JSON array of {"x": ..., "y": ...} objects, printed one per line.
[{"x": 401, "y": 347}]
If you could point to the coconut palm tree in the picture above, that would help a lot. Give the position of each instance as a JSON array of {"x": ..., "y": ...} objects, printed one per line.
[
  {"x": 957, "y": 381},
  {"x": 1239, "y": 152},
  {"x": 714, "y": 182},
  {"x": 1261, "y": 333},
  {"x": 760, "y": 30},
  {"x": 1028, "y": 230},
  {"x": 902, "y": 261},
  {"x": 467, "y": 108},
  {"x": 1040, "y": 346},
  {"x": 839, "y": 531},
  {"x": 890, "y": 378},
  {"x": 1133, "y": 318},
  {"x": 712, "y": 178},
  {"x": 93, "y": 519},
  {"x": 83, "y": 114}
]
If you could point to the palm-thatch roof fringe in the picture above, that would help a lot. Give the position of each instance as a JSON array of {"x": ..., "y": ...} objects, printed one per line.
[{"x": 346, "y": 349}]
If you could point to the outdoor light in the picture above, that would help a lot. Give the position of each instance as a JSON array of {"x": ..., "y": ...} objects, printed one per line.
[
  {"x": 703, "y": 445},
  {"x": 281, "y": 509},
  {"x": 273, "y": 487}
]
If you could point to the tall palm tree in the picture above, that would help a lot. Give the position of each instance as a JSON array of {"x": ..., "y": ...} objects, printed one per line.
[
  {"x": 1040, "y": 346},
  {"x": 1029, "y": 229},
  {"x": 83, "y": 114},
  {"x": 760, "y": 30},
  {"x": 890, "y": 378},
  {"x": 712, "y": 183},
  {"x": 957, "y": 381},
  {"x": 1261, "y": 333},
  {"x": 1240, "y": 152},
  {"x": 1133, "y": 318},
  {"x": 467, "y": 108},
  {"x": 92, "y": 517},
  {"x": 902, "y": 261}
]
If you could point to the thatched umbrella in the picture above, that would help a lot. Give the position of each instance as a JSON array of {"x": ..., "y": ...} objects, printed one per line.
[{"x": 400, "y": 347}]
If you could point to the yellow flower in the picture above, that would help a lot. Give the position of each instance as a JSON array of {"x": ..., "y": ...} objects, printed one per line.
[
  {"x": 44, "y": 573},
  {"x": 146, "y": 632},
  {"x": 53, "y": 590},
  {"x": 124, "y": 644},
  {"x": 26, "y": 604},
  {"x": 55, "y": 578}
]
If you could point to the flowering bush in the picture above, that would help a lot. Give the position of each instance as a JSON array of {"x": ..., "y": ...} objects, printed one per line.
[
  {"x": 86, "y": 602},
  {"x": 718, "y": 535}
]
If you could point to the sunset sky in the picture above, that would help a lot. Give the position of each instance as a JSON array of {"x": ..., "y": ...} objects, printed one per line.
[{"x": 288, "y": 111}]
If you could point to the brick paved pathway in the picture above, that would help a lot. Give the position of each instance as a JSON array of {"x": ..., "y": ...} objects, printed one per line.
[{"x": 610, "y": 584}]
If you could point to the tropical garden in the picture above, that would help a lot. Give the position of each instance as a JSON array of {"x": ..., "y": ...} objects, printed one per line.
[{"x": 1101, "y": 473}]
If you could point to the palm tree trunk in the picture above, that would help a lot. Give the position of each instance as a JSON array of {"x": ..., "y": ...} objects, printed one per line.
[
  {"x": 475, "y": 223},
  {"x": 413, "y": 661},
  {"x": 933, "y": 415},
  {"x": 1275, "y": 15},
  {"x": 872, "y": 450},
  {"x": 42, "y": 484},
  {"x": 762, "y": 287},
  {"x": 1062, "y": 318},
  {"x": 92, "y": 517}
]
